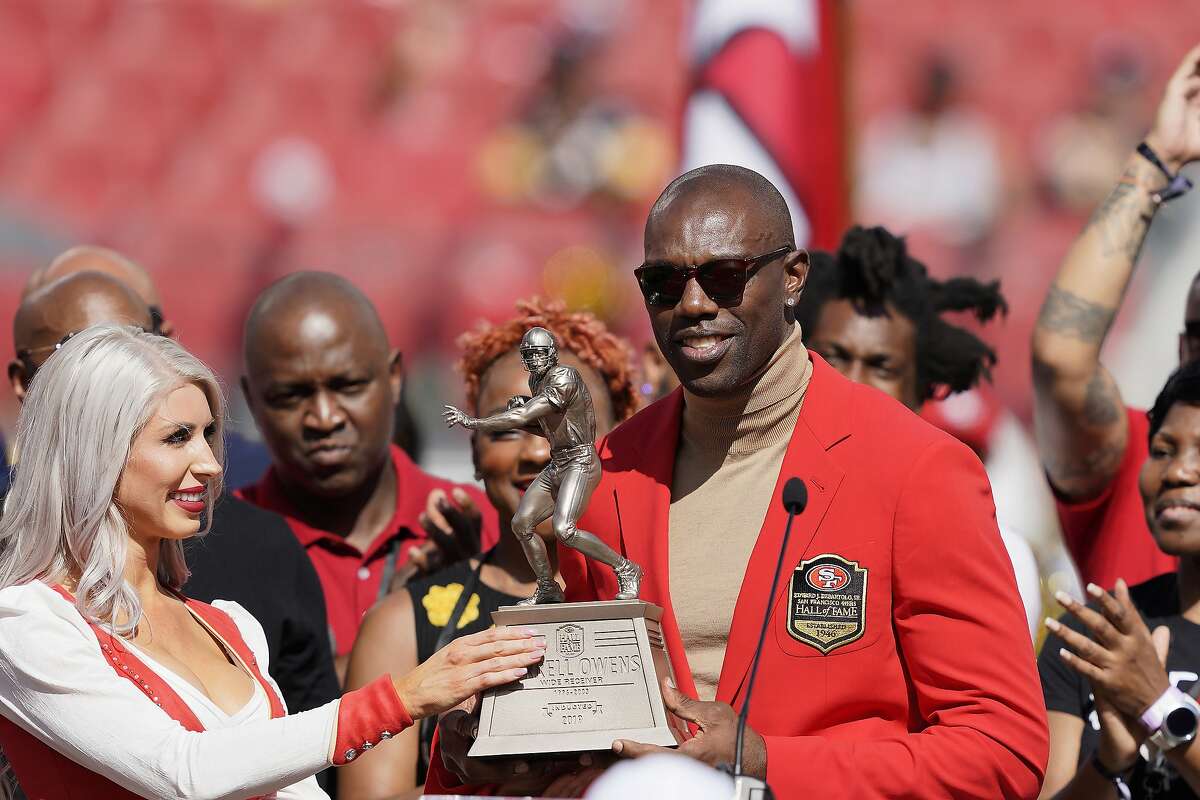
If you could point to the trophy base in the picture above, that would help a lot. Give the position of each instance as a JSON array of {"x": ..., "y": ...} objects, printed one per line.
[{"x": 599, "y": 682}]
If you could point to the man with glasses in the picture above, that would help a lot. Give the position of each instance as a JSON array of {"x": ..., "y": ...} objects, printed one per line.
[
  {"x": 897, "y": 662},
  {"x": 245, "y": 458},
  {"x": 559, "y": 410},
  {"x": 1092, "y": 446},
  {"x": 49, "y": 316}
]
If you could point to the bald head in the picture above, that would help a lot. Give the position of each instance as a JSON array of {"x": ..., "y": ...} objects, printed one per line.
[
  {"x": 738, "y": 190},
  {"x": 64, "y": 307},
  {"x": 73, "y": 303},
  {"x": 91, "y": 258},
  {"x": 307, "y": 310},
  {"x": 322, "y": 385}
]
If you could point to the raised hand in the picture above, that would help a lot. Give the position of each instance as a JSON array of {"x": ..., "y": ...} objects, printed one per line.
[
  {"x": 1121, "y": 657},
  {"x": 454, "y": 416},
  {"x": 466, "y": 667},
  {"x": 1176, "y": 132},
  {"x": 454, "y": 526}
]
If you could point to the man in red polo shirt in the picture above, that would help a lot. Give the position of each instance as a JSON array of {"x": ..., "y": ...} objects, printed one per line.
[
  {"x": 323, "y": 383},
  {"x": 1092, "y": 446}
]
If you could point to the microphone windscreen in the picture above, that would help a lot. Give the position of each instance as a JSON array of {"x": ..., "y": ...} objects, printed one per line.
[{"x": 795, "y": 495}]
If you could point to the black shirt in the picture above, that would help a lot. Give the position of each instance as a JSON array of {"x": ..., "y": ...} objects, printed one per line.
[
  {"x": 251, "y": 556},
  {"x": 1065, "y": 690},
  {"x": 433, "y": 600}
]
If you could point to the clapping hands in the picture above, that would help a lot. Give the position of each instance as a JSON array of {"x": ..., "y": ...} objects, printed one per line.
[{"x": 1121, "y": 659}]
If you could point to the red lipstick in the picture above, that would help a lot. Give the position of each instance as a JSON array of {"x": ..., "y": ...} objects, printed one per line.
[{"x": 192, "y": 499}]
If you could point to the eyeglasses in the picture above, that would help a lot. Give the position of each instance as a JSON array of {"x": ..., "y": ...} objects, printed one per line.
[
  {"x": 25, "y": 355},
  {"x": 723, "y": 280}
]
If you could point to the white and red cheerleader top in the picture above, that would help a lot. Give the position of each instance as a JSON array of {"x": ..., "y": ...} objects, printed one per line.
[{"x": 85, "y": 715}]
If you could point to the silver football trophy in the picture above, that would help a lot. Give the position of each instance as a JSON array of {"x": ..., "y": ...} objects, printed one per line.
[{"x": 599, "y": 680}]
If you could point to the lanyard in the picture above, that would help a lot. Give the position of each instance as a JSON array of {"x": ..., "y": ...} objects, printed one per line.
[{"x": 389, "y": 569}]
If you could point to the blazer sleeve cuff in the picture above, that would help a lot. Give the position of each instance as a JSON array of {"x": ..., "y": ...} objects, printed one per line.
[{"x": 366, "y": 717}]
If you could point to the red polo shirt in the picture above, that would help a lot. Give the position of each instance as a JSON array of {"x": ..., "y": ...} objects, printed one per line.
[
  {"x": 351, "y": 578},
  {"x": 1107, "y": 535}
]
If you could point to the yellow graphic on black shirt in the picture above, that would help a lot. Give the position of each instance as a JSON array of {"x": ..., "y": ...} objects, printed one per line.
[{"x": 439, "y": 604}]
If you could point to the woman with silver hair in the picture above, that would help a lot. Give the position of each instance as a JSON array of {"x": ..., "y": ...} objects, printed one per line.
[{"x": 114, "y": 685}]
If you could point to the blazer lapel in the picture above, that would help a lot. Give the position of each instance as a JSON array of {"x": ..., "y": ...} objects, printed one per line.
[
  {"x": 643, "y": 485},
  {"x": 824, "y": 421}
]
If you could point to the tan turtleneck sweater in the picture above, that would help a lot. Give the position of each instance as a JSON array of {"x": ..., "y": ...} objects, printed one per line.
[{"x": 730, "y": 452}]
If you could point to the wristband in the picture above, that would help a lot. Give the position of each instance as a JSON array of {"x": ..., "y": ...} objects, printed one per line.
[
  {"x": 1177, "y": 184},
  {"x": 1153, "y": 717},
  {"x": 1104, "y": 771},
  {"x": 1117, "y": 779}
]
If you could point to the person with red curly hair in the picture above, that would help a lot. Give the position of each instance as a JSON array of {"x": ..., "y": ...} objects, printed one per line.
[{"x": 458, "y": 600}]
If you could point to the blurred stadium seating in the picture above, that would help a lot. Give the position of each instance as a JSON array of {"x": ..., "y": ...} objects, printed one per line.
[{"x": 225, "y": 143}]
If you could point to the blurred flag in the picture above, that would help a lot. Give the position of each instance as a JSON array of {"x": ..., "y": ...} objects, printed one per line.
[{"x": 767, "y": 94}]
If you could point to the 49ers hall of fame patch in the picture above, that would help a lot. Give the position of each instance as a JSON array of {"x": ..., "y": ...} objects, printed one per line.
[{"x": 827, "y": 604}]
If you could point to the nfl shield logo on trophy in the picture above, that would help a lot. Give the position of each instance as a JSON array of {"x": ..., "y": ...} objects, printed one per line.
[{"x": 570, "y": 641}]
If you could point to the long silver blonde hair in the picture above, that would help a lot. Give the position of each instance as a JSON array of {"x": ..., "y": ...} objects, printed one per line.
[{"x": 85, "y": 407}]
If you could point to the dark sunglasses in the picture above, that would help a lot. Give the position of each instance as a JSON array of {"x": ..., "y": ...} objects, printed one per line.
[{"x": 723, "y": 280}]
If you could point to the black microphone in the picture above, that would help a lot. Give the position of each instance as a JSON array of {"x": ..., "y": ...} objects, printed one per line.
[{"x": 795, "y": 498}]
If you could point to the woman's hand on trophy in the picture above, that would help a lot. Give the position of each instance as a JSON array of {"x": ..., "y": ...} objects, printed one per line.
[
  {"x": 454, "y": 416},
  {"x": 457, "y": 731},
  {"x": 468, "y": 666}
]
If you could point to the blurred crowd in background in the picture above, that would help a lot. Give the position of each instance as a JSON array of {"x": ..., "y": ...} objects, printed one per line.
[{"x": 452, "y": 156}]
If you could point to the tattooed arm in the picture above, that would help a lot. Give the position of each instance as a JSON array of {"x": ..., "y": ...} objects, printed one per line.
[{"x": 1079, "y": 417}]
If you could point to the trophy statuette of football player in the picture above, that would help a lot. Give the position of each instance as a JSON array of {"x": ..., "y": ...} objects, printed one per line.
[
  {"x": 599, "y": 680},
  {"x": 558, "y": 409}
]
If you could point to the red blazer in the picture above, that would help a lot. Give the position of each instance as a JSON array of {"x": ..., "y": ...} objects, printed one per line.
[{"x": 939, "y": 695}]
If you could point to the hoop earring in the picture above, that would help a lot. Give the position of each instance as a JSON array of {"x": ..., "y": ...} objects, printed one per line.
[{"x": 791, "y": 301}]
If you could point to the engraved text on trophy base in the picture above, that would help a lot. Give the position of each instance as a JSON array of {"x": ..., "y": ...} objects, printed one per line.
[{"x": 590, "y": 680}]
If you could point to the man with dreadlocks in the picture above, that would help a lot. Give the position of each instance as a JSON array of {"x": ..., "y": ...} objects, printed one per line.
[{"x": 874, "y": 313}]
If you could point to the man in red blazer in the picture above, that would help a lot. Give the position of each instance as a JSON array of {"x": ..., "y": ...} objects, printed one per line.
[{"x": 897, "y": 663}]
